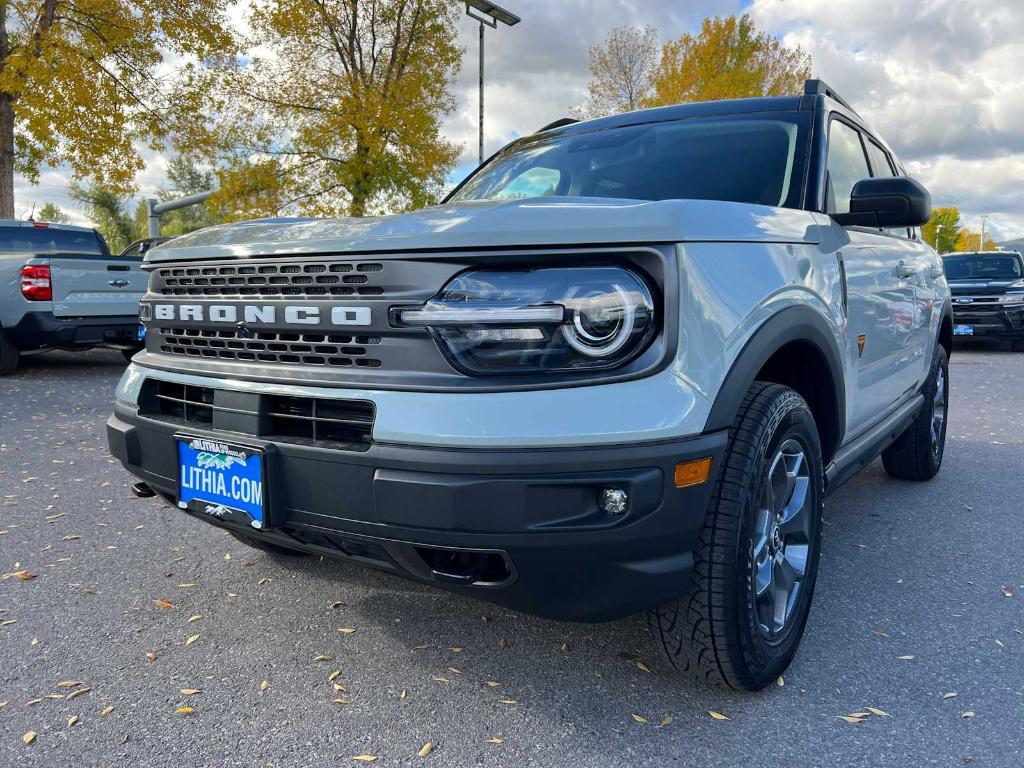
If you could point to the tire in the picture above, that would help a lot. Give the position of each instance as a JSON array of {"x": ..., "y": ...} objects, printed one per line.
[
  {"x": 917, "y": 453},
  {"x": 721, "y": 630},
  {"x": 283, "y": 555},
  {"x": 9, "y": 355}
]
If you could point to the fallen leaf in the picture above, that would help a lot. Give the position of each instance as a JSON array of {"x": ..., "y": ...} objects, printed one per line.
[
  {"x": 456, "y": 670},
  {"x": 425, "y": 750},
  {"x": 3, "y": 704},
  {"x": 184, "y": 710},
  {"x": 264, "y": 685},
  {"x": 492, "y": 683},
  {"x": 336, "y": 604},
  {"x": 150, "y": 655},
  {"x": 346, "y": 630},
  {"x": 322, "y": 658},
  {"x": 190, "y": 691},
  {"x": 967, "y": 715},
  {"x": 564, "y": 648},
  {"x": 403, "y": 694},
  {"x": 25, "y": 575},
  {"x": 55, "y": 695},
  {"x": 106, "y": 711},
  {"x": 421, "y": 647},
  {"x": 849, "y": 719},
  {"x": 880, "y": 633},
  {"x": 639, "y": 718},
  {"x": 334, "y": 676},
  {"x": 905, "y": 658},
  {"x": 503, "y": 643},
  {"x": 508, "y": 701},
  {"x": 5, "y": 622},
  {"x": 455, "y": 650},
  {"x": 339, "y": 701},
  {"x": 339, "y": 687},
  {"x": 950, "y": 695},
  {"x": 642, "y": 667},
  {"x": 1007, "y": 591},
  {"x": 161, "y": 603},
  {"x": 72, "y": 720},
  {"x": 365, "y": 758},
  {"x": 780, "y": 681},
  {"x": 78, "y": 692},
  {"x": 494, "y": 741},
  {"x": 263, "y": 581},
  {"x": 32, "y": 702},
  {"x": 666, "y": 721},
  {"x": 196, "y": 617},
  {"x": 191, "y": 639},
  {"x": 718, "y": 715},
  {"x": 69, "y": 684},
  {"x": 186, "y": 586},
  {"x": 29, "y": 737},
  {"x": 441, "y": 680},
  {"x": 71, "y": 537},
  {"x": 878, "y": 712}
]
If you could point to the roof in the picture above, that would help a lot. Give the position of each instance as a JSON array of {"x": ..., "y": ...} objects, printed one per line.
[{"x": 43, "y": 225}]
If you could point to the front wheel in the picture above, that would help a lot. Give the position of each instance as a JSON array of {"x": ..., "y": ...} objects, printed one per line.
[
  {"x": 917, "y": 453},
  {"x": 756, "y": 560}
]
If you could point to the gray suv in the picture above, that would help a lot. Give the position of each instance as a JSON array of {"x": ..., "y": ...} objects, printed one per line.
[{"x": 619, "y": 369}]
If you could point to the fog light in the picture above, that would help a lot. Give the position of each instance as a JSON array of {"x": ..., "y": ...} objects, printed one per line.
[{"x": 614, "y": 501}]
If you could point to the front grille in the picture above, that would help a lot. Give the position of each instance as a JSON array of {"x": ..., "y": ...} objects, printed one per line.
[
  {"x": 340, "y": 351},
  {"x": 346, "y": 424},
  {"x": 290, "y": 279}
]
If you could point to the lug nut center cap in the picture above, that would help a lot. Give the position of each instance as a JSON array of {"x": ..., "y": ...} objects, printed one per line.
[{"x": 776, "y": 538}]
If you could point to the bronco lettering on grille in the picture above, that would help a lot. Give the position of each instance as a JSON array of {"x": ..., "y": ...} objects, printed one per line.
[{"x": 266, "y": 314}]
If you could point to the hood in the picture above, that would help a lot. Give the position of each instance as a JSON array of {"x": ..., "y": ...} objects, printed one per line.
[
  {"x": 545, "y": 221},
  {"x": 973, "y": 285}
]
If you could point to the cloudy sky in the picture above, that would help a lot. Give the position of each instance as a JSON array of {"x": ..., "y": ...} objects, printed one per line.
[{"x": 940, "y": 80}]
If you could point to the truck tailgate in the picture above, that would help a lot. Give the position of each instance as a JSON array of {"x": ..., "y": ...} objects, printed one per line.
[{"x": 95, "y": 287}]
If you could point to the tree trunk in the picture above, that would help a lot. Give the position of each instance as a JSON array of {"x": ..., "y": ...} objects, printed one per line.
[{"x": 6, "y": 157}]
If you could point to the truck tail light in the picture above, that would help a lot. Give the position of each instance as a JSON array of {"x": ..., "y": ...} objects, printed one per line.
[{"x": 35, "y": 283}]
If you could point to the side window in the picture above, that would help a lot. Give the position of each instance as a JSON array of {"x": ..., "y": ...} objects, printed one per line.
[
  {"x": 846, "y": 165},
  {"x": 880, "y": 164}
]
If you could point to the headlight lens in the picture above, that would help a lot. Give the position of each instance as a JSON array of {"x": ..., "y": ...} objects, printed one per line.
[
  {"x": 1012, "y": 298},
  {"x": 540, "y": 320}
]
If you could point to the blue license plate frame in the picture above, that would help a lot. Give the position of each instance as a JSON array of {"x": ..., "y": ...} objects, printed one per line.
[
  {"x": 962, "y": 329},
  {"x": 222, "y": 478}
]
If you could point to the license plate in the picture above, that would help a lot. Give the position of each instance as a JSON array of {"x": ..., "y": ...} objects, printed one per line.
[
  {"x": 221, "y": 479},
  {"x": 140, "y": 333},
  {"x": 963, "y": 330}
]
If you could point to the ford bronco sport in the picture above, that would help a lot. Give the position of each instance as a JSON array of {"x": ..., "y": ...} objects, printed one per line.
[
  {"x": 61, "y": 288},
  {"x": 618, "y": 370}
]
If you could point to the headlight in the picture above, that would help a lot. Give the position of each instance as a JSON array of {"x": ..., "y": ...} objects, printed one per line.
[
  {"x": 1012, "y": 298},
  {"x": 541, "y": 320}
]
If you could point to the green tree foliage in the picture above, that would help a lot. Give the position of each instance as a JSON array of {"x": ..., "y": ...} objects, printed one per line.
[
  {"x": 52, "y": 213},
  {"x": 943, "y": 229},
  {"x": 109, "y": 213},
  {"x": 728, "y": 59},
  {"x": 185, "y": 177},
  {"x": 621, "y": 71},
  {"x": 340, "y": 110},
  {"x": 82, "y": 81}
]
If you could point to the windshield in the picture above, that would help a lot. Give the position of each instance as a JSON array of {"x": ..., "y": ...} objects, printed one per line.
[
  {"x": 741, "y": 158},
  {"x": 984, "y": 266},
  {"x": 48, "y": 240}
]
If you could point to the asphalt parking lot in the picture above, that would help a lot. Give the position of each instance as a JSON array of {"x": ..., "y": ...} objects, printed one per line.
[{"x": 912, "y": 617}]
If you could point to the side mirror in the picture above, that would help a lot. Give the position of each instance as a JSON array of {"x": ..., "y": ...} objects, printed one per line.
[{"x": 890, "y": 201}]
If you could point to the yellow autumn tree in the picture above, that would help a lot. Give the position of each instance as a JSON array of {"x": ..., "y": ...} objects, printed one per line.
[
  {"x": 83, "y": 81},
  {"x": 969, "y": 240},
  {"x": 943, "y": 229},
  {"x": 339, "y": 109},
  {"x": 728, "y": 59}
]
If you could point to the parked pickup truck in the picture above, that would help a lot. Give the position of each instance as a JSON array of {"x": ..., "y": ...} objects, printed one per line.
[
  {"x": 61, "y": 288},
  {"x": 618, "y": 370},
  {"x": 988, "y": 295}
]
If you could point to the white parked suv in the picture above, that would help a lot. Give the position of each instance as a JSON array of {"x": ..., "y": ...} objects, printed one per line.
[{"x": 618, "y": 370}]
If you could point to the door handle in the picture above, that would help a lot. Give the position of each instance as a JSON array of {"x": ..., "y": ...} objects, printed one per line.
[
  {"x": 118, "y": 283},
  {"x": 903, "y": 271}
]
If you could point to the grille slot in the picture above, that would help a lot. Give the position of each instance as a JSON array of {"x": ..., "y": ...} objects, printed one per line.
[
  {"x": 321, "y": 349},
  {"x": 291, "y": 279},
  {"x": 346, "y": 424}
]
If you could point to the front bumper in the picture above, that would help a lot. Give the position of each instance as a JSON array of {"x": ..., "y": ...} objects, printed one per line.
[
  {"x": 520, "y": 528},
  {"x": 42, "y": 329},
  {"x": 1002, "y": 321}
]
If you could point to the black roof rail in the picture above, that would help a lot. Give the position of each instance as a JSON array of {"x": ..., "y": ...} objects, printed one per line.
[
  {"x": 821, "y": 88},
  {"x": 561, "y": 122}
]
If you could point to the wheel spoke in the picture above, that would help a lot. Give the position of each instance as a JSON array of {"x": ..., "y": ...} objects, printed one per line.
[
  {"x": 780, "y": 483},
  {"x": 763, "y": 577},
  {"x": 794, "y": 520},
  {"x": 796, "y": 558}
]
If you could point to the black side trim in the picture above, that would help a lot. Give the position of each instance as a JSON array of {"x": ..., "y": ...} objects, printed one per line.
[
  {"x": 861, "y": 451},
  {"x": 789, "y": 325}
]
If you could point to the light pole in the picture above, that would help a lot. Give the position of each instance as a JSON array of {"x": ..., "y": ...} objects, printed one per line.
[
  {"x": 981, "y": 245},
  {"x": 490, "y": 14}
]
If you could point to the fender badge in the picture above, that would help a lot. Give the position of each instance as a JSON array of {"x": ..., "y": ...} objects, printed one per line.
[{"x": 862, "y": 341}]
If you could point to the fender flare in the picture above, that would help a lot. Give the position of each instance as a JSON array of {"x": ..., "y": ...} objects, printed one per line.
[{"x": 796, "y": 323}]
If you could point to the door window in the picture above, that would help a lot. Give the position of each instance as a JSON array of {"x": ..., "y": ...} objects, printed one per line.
[
  {"x": 846, "y": 165},
  {"x": 880, "y": 164}
]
